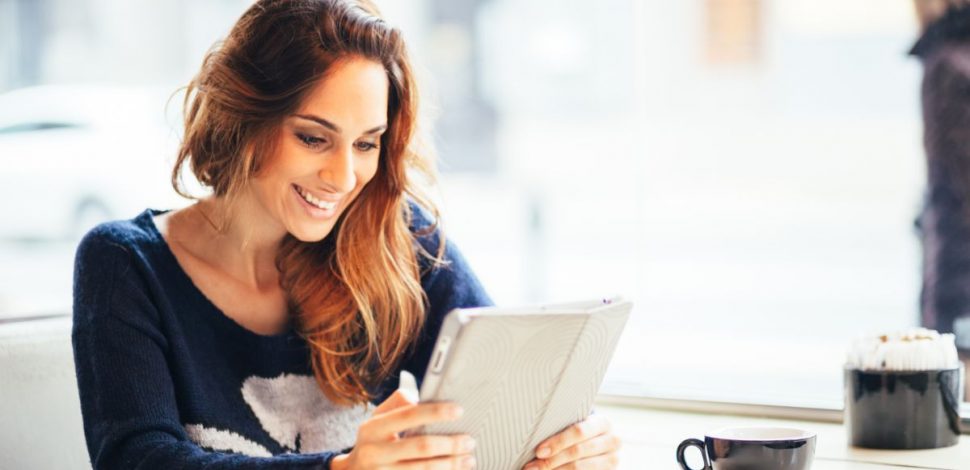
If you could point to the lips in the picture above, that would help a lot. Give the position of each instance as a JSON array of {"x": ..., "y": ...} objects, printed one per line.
[{"x": 315, "y": 201}]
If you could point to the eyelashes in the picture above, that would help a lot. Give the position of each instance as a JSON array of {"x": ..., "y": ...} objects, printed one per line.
[
  {"x": 366, "y": 146},
  {"x": 315, "y": 143},
  {"x": 310, "y": 141}
]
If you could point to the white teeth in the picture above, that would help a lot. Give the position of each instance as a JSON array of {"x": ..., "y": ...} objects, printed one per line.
[{"x": 314, "y": 201}]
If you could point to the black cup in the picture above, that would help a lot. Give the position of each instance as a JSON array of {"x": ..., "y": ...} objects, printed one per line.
[
  {"x": 903, "y": 410},
  {"x": 753, "y": 448}
]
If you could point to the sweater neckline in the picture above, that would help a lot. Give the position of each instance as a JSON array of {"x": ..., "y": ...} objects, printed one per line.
[{"x": 189, "y": 286}]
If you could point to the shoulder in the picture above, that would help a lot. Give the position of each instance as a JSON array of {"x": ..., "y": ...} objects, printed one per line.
[
  {"x": 109, "y": 250},
  {"x": 422, "y": 223},
  {"x": 428, "y": 236},
  {"x": 109, "y": 267},
  {"x": 449, "y": 282},
  {"x": 116, "y": 238}
]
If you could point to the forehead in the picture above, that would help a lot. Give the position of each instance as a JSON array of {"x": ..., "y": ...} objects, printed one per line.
[{"x": 353, "y": 95}]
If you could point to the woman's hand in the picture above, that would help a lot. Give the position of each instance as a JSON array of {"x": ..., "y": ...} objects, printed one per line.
[
  {"x": 588, "y": 444},
  {"x": 380, "y": 445}
]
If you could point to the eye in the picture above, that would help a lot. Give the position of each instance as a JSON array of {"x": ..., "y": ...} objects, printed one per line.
[
  {"x": 366, "y": 146},
  {"x": 310, "y": 141}
]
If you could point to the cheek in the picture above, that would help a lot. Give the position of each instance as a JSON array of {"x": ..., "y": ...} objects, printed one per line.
[
  {"x": 271, "y": 180},
  {"x": 287, "y": 164},
  {"x": 367, "y": 171},
  {"x": 267, "y": 191}
]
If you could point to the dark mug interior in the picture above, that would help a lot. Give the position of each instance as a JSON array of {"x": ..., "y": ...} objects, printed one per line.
[
  {"x": 903, "y": 409},
  {"x": 752, "y": 448}
]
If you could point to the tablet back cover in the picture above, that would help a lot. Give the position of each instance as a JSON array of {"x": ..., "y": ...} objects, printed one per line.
[{"x": 522, "y": 378}]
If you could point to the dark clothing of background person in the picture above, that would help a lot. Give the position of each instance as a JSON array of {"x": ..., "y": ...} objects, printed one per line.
[{"x": 944, "y": 223}]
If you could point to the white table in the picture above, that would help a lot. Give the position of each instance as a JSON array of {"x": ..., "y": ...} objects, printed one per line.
[{"x": 651, "y": 437}]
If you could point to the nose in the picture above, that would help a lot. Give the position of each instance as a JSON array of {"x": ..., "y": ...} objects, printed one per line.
[{"x": 339, "y": 171}]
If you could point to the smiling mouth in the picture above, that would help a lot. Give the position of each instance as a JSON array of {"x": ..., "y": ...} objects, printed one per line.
[{"x": 323, "y": 205}]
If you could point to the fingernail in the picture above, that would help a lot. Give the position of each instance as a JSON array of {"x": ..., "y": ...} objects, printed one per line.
[
  {"x": 456, "y": 412},
  {"x": 467, "y": 444},
  {"x": 543, "y": 452},
  {"x": 468, "y": 462}
]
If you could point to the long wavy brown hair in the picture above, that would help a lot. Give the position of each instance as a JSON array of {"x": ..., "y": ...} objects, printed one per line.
[{"x": 356, "y": 295}]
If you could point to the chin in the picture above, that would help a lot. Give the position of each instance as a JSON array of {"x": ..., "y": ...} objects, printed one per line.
[{"x": 311, "y": 235}]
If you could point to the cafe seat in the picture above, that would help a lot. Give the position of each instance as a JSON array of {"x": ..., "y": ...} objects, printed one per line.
[{"x": 41, "y": 413}]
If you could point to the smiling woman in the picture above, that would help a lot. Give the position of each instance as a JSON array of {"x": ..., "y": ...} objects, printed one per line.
[
  {"x": 259, "y": 326},
  {"x": 288, "y": 154}
]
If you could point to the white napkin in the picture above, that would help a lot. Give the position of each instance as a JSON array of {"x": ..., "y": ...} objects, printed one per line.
[{"x": 915, "y": 349}]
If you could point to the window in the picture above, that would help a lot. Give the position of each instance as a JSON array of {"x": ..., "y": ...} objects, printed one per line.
[
  {"x": 748, "y": 172},
  {"x": 733, "y": 31}
]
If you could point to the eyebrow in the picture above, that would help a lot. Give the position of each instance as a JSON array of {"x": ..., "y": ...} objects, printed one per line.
[{"x": 329, "y": 125}]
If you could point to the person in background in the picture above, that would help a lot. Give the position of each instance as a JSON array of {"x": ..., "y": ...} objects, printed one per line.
[
  {"x": 266, "y": 326},
  {"x": 944, "y": 224}
]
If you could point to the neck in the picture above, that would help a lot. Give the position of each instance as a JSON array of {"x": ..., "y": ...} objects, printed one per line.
[{"x": 244, "y": 239}]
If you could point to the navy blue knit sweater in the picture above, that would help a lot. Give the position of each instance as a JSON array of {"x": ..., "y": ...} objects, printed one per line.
[{"x": 167, "y": 381}]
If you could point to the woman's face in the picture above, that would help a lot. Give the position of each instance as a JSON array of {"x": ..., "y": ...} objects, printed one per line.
[{"x": 327, "y": 151}]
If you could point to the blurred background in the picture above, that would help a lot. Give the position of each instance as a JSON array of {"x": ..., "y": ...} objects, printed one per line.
[{"x": 747, "y": 171}]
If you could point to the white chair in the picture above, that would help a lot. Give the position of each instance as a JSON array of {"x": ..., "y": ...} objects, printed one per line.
[{"x": 40, "y": 413}]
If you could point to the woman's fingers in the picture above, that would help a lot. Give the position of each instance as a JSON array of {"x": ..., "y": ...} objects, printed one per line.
[
  {"x": 463, "y": 462},
  {"x": 396, "y": 400},
  {"x": 600, "y": 462},
  {"x": 584, "y": 430},
  {"x": 380, "y": 445},
  {"x": 424, "y": 447},
  {"x": 388, "y": 425},
  {"x": 598, "y": 446}
]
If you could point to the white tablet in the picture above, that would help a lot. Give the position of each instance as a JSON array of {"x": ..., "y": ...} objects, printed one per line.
[{"x": 522, "y": 374}]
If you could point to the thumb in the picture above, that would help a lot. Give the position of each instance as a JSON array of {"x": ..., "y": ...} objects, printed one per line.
[{"x": 396, "y": 400}]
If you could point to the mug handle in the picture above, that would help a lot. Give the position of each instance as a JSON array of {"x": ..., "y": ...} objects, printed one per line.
[{"x": 692, "y": 443}]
